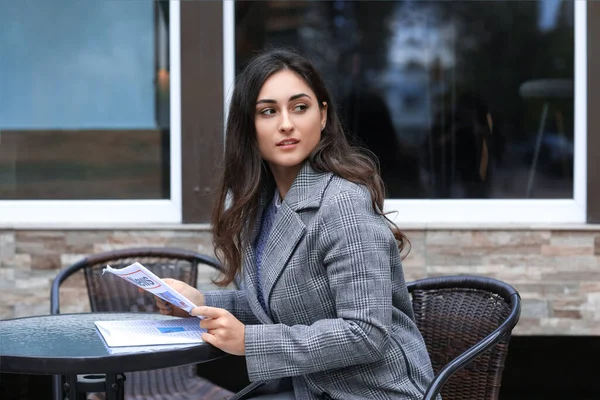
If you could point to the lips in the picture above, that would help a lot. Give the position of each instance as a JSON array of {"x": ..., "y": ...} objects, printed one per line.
[{"x": 288, "y": 142}]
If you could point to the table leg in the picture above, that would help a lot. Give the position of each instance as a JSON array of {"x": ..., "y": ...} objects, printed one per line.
[
  {"x": 76, "y": 387},
  {"x": 57, "y": 387},
  {"x": 115, "y": 387},
  {"x": 70, "y": 391}
]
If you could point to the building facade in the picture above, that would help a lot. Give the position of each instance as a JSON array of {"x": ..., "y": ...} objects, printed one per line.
[{"x": 484, "y": 116}]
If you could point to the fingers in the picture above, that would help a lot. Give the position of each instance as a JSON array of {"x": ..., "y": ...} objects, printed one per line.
[
  {"x": 227, "y": 337},
  {"x": 210, "y": 323},
  {"x": 214, "y": 337},
  {"x": 163, "y": 307},
  {"x": 210, "y": 339},
  {"x": 214, "y": 317},
  {"x": 169, "y": 281},
  {"x": 161, "y": 302},
  {"x": 210, "y": 312},
  {"x": 166, "y": 310}
]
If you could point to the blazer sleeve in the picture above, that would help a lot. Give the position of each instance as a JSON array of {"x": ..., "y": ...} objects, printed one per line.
[
  {"x": 355, "y": 245},
  {"x": 234, "y": 301}
]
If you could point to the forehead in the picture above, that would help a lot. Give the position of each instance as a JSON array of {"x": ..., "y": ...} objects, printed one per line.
[{"x": 282, "y": 85}]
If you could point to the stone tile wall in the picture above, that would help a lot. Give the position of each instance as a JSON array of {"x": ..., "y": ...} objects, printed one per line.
[{"x": 557, "y": 272}]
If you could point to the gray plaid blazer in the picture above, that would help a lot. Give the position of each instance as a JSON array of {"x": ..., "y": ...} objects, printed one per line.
[{"x": 340, "y": 322}]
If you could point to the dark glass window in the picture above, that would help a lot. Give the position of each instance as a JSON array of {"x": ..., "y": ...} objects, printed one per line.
[
  {"x": 84, "y": 99},
  {"x": 458, "y": 99}
]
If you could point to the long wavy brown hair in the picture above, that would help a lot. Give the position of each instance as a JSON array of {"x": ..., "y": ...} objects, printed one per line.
[{"x": 244, "y": 175}]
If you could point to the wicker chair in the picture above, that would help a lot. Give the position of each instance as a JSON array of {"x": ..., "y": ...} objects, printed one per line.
[
  {"x": 466, "y": 322},
  {"x": 114, "y": 294}
]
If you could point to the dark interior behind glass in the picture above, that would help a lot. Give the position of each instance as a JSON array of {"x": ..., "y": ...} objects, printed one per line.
[{"x": 458, "y": 99}]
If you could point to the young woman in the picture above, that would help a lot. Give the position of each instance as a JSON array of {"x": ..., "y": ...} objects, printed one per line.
[{"x": 323, "y": 304}]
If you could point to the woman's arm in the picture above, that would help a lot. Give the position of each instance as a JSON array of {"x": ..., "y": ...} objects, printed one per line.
[
  {"x": 234, "y": 301},
  {"x": 357, "y": 247}
]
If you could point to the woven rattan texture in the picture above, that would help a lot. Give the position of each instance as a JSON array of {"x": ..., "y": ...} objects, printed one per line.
[
  {"x": 112, "y": 293},
  {"x": 171, "y": 383},
  {"x": 453, "y": 320}
]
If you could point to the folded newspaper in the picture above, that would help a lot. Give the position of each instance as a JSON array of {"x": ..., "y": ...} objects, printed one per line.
[
  {"x": 143, "y": 278},
  {"x": 135, "y": 333}
]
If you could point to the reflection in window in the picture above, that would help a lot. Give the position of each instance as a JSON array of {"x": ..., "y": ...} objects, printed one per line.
[
  {"x": 84, "y": 104},
  {"x": 457, "y": 99},
  {"x": 73, "y": 64}
]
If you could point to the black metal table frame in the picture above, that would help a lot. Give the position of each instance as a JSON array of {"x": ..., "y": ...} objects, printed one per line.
[
  {"x": 77, "y": 386},
  {"x": 98, "y": 371}
]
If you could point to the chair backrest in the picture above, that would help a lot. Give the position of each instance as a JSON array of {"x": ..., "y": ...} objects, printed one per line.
[
  {"x": 466, "y": 323},
  {"x": 111, "y": 293}
]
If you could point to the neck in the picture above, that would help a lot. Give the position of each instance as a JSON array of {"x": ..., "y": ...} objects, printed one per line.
[{"x": 284, "y": 177}]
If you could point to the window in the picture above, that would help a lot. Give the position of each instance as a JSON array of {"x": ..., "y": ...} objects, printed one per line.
[
  {"x": 476, "y": 110},
  {"x": 89, "y": 112}
]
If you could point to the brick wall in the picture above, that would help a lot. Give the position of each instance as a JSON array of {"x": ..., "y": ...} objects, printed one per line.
[{"x": 557, "y": 272}]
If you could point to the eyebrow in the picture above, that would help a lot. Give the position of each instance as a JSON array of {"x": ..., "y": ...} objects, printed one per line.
[{"x": 292, "y": 98}]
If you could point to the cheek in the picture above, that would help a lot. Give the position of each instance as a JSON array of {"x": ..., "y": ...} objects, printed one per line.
[
  {"x": 317, "y": 139},
  {"x": 315, "y": 131},
  {"x": 311, "y": 125},
  {"x": 264, "y": 145}
]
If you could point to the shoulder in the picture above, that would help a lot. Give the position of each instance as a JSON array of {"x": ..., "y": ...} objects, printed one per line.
[
  {"x": 343, "y": 197},
  {"x": 340, "y": 188},
  {"x": 347, "y": 214}
]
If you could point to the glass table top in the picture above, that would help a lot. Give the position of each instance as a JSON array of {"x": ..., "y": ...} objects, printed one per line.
[{"x": 71, "y": 343}]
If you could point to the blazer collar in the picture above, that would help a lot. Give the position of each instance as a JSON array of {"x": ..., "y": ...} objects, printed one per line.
[
  {"x": 308, "y": 188},
  {"x": 288, "y": 229}
]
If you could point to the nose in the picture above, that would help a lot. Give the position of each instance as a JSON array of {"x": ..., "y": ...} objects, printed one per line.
[{"x": 286, "y": 125}]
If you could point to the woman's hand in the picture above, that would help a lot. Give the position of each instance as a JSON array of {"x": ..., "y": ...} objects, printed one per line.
[
  {"x": 224, "y": 331},
  {"x": 187, "y": 291}
]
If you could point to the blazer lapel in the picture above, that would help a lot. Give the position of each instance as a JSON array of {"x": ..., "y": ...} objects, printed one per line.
[
  {"x": 251, "y": 288},
  {"x": 287, "y": 231},
  {"x": 288, "y": 228},
  {"x": 249, "y": 270}
]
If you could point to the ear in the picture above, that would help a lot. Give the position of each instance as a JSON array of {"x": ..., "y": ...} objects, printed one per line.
[{"x": 323, "y": 115}]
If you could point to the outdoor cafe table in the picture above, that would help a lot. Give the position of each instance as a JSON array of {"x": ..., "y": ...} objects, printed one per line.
[{"x": 70, "y": 345}]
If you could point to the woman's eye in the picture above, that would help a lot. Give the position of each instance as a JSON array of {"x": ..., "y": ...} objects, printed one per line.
[
  {"x": 300, "y": 107},
  {"x": 268, "y": 111}
]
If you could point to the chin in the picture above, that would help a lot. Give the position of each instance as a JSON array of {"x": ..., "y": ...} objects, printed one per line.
[{"x": 288, "y": 163}]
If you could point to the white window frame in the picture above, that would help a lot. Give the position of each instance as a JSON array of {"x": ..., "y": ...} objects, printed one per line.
[
  {"x": 425, "y": 212},
  {"x": 80, "y": 212}
]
